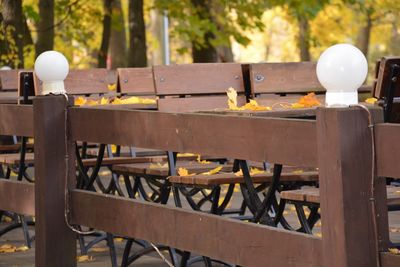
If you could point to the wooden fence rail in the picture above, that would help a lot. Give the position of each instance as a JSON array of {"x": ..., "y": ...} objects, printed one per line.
[{"x": 339, "y": 143}]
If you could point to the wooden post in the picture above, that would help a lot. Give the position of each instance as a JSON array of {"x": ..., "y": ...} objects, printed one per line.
[
  {"x": 55, "y": 242},
  {"x": 345, "y": 168}
]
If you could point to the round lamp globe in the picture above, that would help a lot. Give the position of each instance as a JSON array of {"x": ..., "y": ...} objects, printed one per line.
[
  {"x": 341, "y": 70},
  {"x": 51, "y": 67}
]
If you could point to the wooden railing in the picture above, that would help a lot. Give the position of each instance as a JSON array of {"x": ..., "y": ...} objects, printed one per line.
[{"x": 339, "y": 143}]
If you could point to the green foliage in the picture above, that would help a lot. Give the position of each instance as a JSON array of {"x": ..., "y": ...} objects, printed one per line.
[{"x": 224, "y": 19}]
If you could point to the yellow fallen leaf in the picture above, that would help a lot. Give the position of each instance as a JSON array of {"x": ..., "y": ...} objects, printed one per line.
[
  {"x": 371, "y": 100},
  {"x": 97, "y": 249},
  {"x": 80, "y": 101},
  {"x": 307, "y": 101},
  {"x": 7, "y": 248},
  {"x": 253, "y": 105},
  {"x": 318, "y": 234},
  {"x": 133, "y": 100},
  {"x": 254, "y": 171},
  {"x": 232, "y": 98},
  {"x": 297, "y": 171},
  {"x": 104, "y": 101},
  {"x": 91, "y": 102},
  {"x": 22, "y": 248},
  {"x": 297, "y": 105},
  {"x": 239, "y": 173},
  {"x": 113, "y": 149},
  {"x": 394, "y": 251},
  {"x": 184, "y": 172},
  {"x": 84, "y": 258},
  {"x": 213, "y": 171},
  {"x": 202, "y": 161},
  {"x": 7, "y": 219},
  {"x": 112, "y": 87},
  {"x": 158, "y": 165}
]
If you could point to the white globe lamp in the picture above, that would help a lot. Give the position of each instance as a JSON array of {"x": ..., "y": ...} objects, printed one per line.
[
  {"x": 342, "y": 69},
  {"x": 5, "y": 68},
  {"x": 51, "y": 67}
]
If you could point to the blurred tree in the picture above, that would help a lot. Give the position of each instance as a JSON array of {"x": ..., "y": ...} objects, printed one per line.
[
  {"x": 12, "y": 34},
  {"x": 45, "y": 27},
  {"x": 205, "y": 52},
  {"x": 209, "y": 24},
  {"x": 118, "y": 37},
  {"x": 105, "y": 39},
  {"x": 137, "y": 35},
  {"x": 303, "y": 12}
]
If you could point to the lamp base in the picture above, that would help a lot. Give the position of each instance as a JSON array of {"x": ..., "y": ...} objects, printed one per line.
[
  {"x": 341, "y": 98},
  {"x": 53, "y": 87}
]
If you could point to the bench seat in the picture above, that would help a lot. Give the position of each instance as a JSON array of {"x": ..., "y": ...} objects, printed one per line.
[
  {"x": 311, "y": 195},
  {"x": 230, "y": 178},
  {"x": 149, "y": 169}
]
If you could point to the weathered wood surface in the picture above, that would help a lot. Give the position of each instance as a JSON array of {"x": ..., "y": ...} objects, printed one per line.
[
  {"x": 389, "y": 260},
  {"x": 275, "y": 113},
  {"x": 201, "y": 78},
  {"x": 191, "y": 104},
  {"x": 8, "y": 80},
  {"x": 221, "y": 238},
  {"x": 17, "y": 197},
  {"x": 285, "y": 141},
  {"x": 291, "y": 77},
  {"x": 51, "y": 172},
  {"x": 345, "y": 177},
  {"x": 16, "y": 120},
  {"x": 136, "y": 81},
  {"x": 387, "y": 149}
]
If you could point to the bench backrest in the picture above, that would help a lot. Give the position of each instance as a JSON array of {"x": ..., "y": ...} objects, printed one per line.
[
  {"x": 282, "y": 78},
  {"x": 83, "y": 82},
  {"x": 200, "y": 86},
  {"x": 8, "y": 80},
  {"x": 382, "y": 74},
  {"x": 135, "y": 81}
]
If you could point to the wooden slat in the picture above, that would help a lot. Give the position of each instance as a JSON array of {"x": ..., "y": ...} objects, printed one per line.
[
  {"x": 82, "y": 82},
  {"x": 285, "y": 141},
  {"x": 201, "y": 78},
  {"x": 290, "y": 77},
  {"x": 191, "y": 104},
  {"x": 389, "y": 260},
  {"x": 231, "y": 178},
  {"x": 136, "y": 81},
  {"x": 16, "y": 120},
  {"x": 17, "y": 197},
  {"x": 229, "y": 240},
  {"x": 8, "y": 80},
  {"x": 387, "y": 149}
]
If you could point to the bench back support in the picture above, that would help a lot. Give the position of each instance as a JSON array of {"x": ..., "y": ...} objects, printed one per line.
[
  {"x": 278, "y": 78},
  {"x": 136, "y": 81}
]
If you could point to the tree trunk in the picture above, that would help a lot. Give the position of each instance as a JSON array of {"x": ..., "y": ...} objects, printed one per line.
[
  {"x": 13, "y": 31},
  {"x": 364, "y": 35},
  {"x": 137, "y": 35},
  {"x": 206, "y": 52},
  {"x": 105, "y": 38},
  {"x": 45, "y": 27},
  {"x": 304, "y": 38},
  {"x": 118, "y": 38}
]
